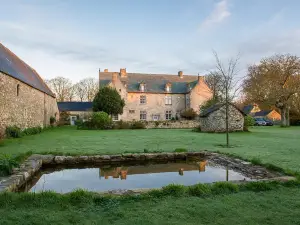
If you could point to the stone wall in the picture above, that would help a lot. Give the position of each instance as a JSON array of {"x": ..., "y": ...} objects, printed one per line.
[
  {"x": 188, "y": 124},
  {"x": 30, "y": 108},
  {"x": 216, "y": 122}
]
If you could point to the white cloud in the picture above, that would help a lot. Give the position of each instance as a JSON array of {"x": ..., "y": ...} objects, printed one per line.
[{"x": 219, "y": 13}]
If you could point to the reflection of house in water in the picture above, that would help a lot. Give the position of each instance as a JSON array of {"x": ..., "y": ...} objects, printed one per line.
[{"x": 122, "y": 172}]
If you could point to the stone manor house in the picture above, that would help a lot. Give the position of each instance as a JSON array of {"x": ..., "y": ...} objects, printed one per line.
[
  {"x": 25, "y": 100},
  {"x": 155, "y": 97}
]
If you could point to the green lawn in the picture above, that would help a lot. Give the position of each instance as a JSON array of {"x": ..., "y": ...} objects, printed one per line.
[
  {"x": 271, "y": 207},
  {"x": 279, "y": 146}
]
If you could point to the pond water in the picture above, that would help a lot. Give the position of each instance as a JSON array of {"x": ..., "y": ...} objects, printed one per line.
[{"x": 129, "y": 177}]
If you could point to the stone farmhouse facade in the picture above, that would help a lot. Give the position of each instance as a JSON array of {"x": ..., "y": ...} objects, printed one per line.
[
  {"x": 25, "y": 100},
  {"x": 154, "y": 97},
  {"x": 213, "y": 119}
]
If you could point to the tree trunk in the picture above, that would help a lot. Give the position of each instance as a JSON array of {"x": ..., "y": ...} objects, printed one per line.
[
  {"x": 287, "y": 116},
  {"x": 227, "y": 118},
  {"x": 283, "y": 116}
]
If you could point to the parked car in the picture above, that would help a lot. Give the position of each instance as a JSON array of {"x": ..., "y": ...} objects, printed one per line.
[
  {"x": 260, "y": 122},
  {"x": 269, "y": 122}
]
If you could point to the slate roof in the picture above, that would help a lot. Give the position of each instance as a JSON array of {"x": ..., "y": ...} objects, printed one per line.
[
  {"x": 262, "y": 113},
  {"x": 247, "y": 109},
  {"x": 74, "y": 106},
  {"x": 154, "y": 83},
  {"x": 12, "y": 65},
  {"x": 215, "y": 107}
]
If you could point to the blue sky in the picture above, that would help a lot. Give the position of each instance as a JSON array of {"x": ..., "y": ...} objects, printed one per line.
[{"x": 73, "y": 38}]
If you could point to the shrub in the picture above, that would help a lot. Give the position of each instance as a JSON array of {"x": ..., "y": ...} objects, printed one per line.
[
  {"x": 13, "y": 132},
  {"x": 32, "y": 131},
  {"x": 52, "y": 120},
  {"x": 100, "y": 120},
  {"x": 156, "y": 123},
  {"x": 197, "y": 129},
  {"x": 64, "y": 118},
  {"x": 248, "y": 122},
  {"x": 189, "y": 114},
  {"x": 180, "y": 150},
  {"x": 174, "y": 190},
  {"x": 6, "y": 165},
  {"x": 121, "y": 125},
  {"x": 78, "y": 122},
  {"x": 137, "y": 125},
  {"x": 199, "y": 190}
]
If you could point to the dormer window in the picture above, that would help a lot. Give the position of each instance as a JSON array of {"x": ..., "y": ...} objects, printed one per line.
[
  {"x": 142, "y": 87},
  {"x": 168, "y": 87}
]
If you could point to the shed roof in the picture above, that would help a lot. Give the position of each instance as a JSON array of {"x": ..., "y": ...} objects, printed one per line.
[
  {"x": 13, "y": 66},
  {"x": 247, "y": 109},
  {"x": 74, "y": 106},
  {"x": 215, "y": 107}
]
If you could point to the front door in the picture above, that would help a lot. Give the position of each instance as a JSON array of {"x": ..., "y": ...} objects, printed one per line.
[{"x": 72, "y": 120}]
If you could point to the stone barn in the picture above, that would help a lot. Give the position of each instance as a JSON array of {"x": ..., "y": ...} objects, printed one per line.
[
  {"x": 213, "y": 119},
  {"x": 25, "y": 100}
]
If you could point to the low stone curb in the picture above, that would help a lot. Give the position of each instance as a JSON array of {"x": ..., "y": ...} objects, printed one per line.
[{"x": 33, "y": 164}]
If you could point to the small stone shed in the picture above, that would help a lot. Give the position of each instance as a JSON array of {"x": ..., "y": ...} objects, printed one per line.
[
  {"x": 76, "y": 110},
  {"x": 213, "y": 119}
]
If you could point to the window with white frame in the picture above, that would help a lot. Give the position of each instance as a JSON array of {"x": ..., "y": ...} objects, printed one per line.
[
  {"x": 168, "y": 114},
  {"x": 168, "y": 100},
  {"x": 143, "y": 99},
  {"x": 143, "y": 115},
  {"x": 142, "y": 87},
  {"x": 115, "y": 117}
]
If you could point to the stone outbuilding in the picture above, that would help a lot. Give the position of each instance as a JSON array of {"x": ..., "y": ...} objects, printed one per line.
[
  {"x": 76, "y": 110},
  {"x": 213, "y": 119},
  {"x": 25, "y": 99}
]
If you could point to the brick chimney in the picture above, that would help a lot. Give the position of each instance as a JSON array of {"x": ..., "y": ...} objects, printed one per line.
[
  {"x": 114, "y": 78},
  {"x": 180, "y": 74},
  {"x": 200, "y": 78},
  {"x": 105, "y": 70},
  {"x": 123, "y": 72}
]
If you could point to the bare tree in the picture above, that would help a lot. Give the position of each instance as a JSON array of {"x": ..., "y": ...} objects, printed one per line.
[
  {"x": 71, "y": 93},
  {"x": 86, "y": 89},
  {"x": 214, "y": 82},
  {"x": 61, "y": 87},
  {"x": 80, "y": 90},
  {"x": 92, "y": 88},
  {"x": 229, "y": 85}
]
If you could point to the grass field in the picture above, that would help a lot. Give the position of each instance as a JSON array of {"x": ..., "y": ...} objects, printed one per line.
[
  {"x": 279, "y": 146},
  {"x": 271, "y": 207}
]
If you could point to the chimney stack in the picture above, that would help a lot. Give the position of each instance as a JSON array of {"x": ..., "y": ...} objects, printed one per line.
[
  {"x": 105, "y": 70},
  {"x": 180, "y": 74},
  {"x": 114, "y": 78},
  {"x": 123, "y": 72},
  {"x": 200, "y": 78}
]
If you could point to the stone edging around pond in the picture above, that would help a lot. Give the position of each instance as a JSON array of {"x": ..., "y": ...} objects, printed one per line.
[{"x": 33, "y": 164}]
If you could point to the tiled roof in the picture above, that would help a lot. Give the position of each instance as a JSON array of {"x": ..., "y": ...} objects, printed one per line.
[
  {"x": 262, "y": 113},
  {"x": 154, "y": 83},
  {"x": 247, "y": 109},
  {"x": 13, "y": 66},
  {"x": 74, "y": 106},
  {"x": 215, "y": 107}
]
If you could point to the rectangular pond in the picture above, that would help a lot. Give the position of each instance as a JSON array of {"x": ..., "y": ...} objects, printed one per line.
[{"x": 129, "y": 177}]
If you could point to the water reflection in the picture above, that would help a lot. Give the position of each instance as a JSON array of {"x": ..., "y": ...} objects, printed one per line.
[{"x": 131, "y": 176}]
